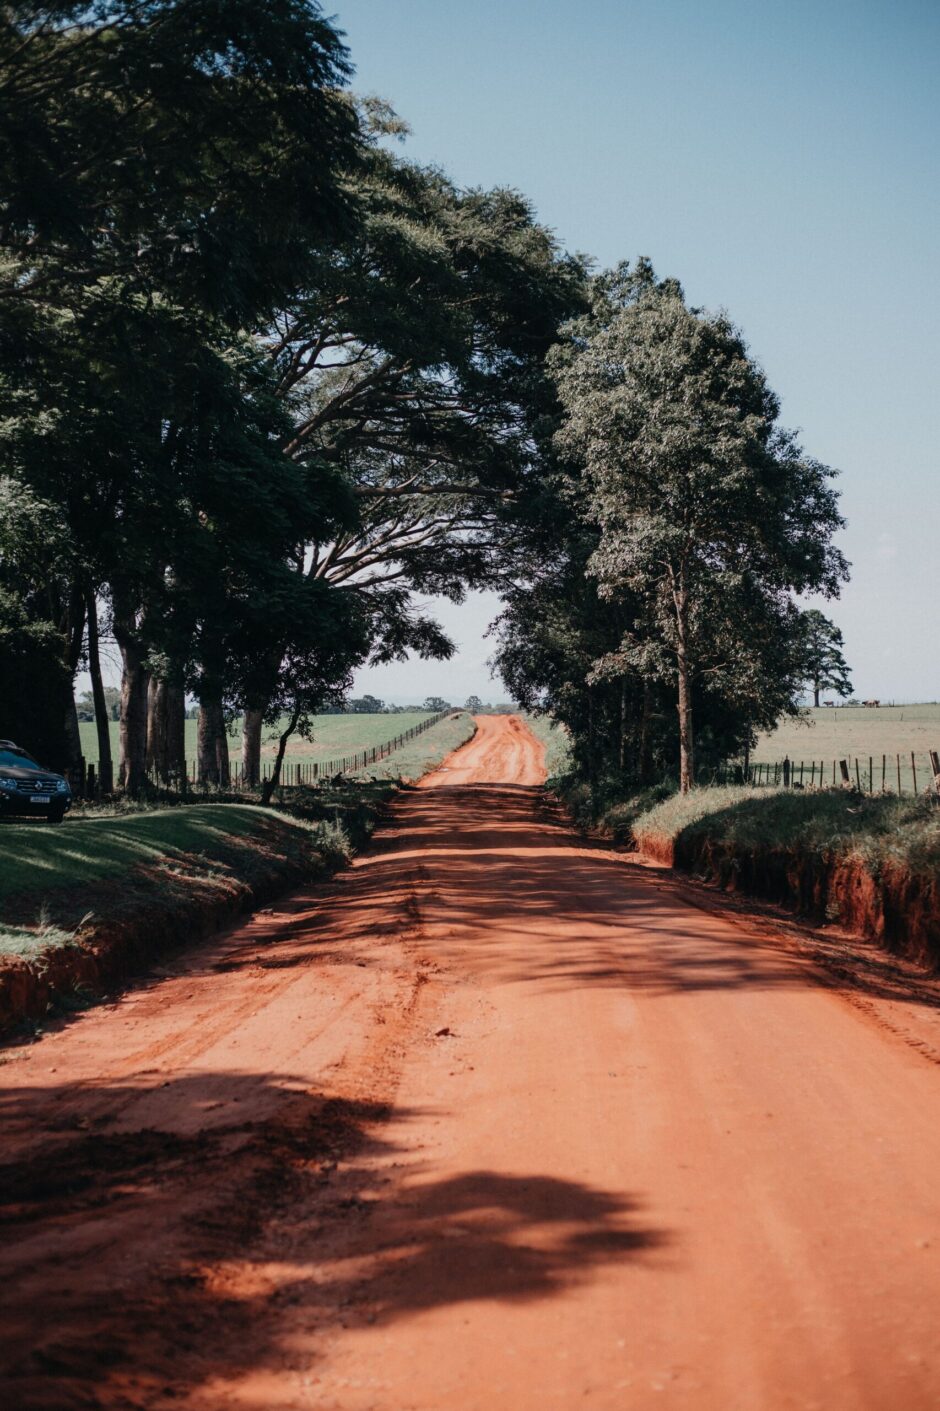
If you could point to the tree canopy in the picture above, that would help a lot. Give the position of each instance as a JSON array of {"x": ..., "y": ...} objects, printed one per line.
[
  {"x": 654, "y": 610},
  {"x": 266, "y": 385},
  {"x": 824, "y": 666}
]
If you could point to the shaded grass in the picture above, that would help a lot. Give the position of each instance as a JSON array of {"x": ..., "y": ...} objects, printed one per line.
[
  {"x": 35, "y": 858},
  {"x": 93, "y": 870}
]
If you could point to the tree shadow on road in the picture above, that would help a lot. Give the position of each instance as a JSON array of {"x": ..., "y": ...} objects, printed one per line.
[
  {"x": 513, "y": 893},
  {"x": 143, "y": 1263}
]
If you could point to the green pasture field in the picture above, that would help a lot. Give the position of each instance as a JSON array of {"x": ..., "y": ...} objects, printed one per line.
[
  {"x": 425, "y": 752},
  {"x": 862, "y": 733},
  {"x": 334, "y": 736}
]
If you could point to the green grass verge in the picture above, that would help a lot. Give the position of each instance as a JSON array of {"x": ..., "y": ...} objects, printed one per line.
[
  {"x": 425, "y": 752},
  {"x": 824, "y": 823},
  {"x": 93, "y": 868},
  {"x": 105, "y": 858},
  {"x": 556, "y": 742}
]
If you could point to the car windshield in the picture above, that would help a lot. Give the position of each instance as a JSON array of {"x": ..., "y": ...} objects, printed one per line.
[{"x": 17, "y": 759}]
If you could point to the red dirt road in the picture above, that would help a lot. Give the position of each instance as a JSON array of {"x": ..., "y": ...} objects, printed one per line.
[{"x": 494, "y": 1121}]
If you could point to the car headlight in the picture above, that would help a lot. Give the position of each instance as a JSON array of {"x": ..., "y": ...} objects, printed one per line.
[
  {"x": 8, "y": 784},
  {"x": 62, "y": 786}
]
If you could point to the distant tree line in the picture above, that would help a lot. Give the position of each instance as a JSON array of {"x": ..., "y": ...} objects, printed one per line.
[{"x": 266, "y": 384}]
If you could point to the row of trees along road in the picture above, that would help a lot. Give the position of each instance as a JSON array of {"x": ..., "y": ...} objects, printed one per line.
[
  {"x": 266, "y": 384},
  {"x": 688, "y": 518}
]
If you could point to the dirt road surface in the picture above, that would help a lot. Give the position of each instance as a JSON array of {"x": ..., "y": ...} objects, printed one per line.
[{"x": 495, "y": 1122}]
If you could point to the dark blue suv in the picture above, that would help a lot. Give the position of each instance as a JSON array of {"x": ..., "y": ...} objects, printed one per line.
[{"x": 27, "y": 788}]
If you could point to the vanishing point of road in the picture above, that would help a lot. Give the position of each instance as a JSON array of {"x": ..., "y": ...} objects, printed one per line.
[{"x": 495, "y": 1120}]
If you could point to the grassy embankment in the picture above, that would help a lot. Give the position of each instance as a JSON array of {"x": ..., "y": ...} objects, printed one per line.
[
  {"x": 83, "y": 905},
  {"x": 870, "y": 863},
  {"x": 422, "y": 754},
  {"x": 554, "y": 738}
]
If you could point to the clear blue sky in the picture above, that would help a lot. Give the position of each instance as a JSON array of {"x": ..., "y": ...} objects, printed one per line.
[{"x": 781, "y": 160}]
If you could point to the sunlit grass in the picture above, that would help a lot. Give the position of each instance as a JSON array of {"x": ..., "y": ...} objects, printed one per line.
[
  {"x": 556, "y": 742},
  {"x": 333, "y": 736},
  {"x": 823, "y": 821},
  {"x": 426, "y": 751}
]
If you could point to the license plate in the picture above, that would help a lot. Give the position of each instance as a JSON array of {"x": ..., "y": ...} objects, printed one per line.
[{"x": 41, "y": 798}]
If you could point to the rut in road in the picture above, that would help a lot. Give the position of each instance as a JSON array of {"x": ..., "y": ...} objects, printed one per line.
[{"x": 493, "y": 1121}]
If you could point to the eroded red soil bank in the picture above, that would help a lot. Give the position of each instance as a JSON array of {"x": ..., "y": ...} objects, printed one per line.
[{"x": 897, "y": 908}]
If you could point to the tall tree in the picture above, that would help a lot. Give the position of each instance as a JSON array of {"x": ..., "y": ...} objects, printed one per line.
[
  {"x": 708, "y": 513},
  {"x": 170, "y": 171},
  {"x": 414, "y": 361},
  {"x": 824, "y": 665}
]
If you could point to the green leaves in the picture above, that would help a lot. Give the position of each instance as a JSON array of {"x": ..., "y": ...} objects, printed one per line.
[{"x": 697, "y": 517}]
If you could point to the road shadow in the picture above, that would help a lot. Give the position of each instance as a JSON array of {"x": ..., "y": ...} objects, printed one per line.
[
  {"x": 509, "y": 892},
  {"x": 512, "y": 892},
  {"x": 138, "y": 1267}
]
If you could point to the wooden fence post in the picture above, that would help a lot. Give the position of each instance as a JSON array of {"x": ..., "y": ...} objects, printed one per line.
[
  {"x": 914, "y": 771},
  {"x": 935, "y": 766},
  {"x": 844, "y": 770}
]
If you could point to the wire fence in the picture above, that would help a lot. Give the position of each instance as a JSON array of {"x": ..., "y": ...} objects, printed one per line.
[{"x": 909, "y": 773}]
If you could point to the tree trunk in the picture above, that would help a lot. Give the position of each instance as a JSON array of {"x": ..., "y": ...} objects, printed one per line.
[
  {"x": 157, "y": 726},
  {"x": 251, "y": 747},
  {"x": 212, "y": 743},
  {"x": 74, "y": 629},
  {"x": 643, "y": 753},
  {"x": 623, "y": 725},
  {"x": 684, "y": 674},
  {"x": 591, "y": 760},
  {"x": 73, "y": 736},
  {"x": 176, "y": 735},
  {"x": 133, "y": 726},
  {"x": 816, "y": 694},
  {"x": 102, "y": 721},
  {"x": 132, "y": 731},
  {"x": 269, "y": 785}
]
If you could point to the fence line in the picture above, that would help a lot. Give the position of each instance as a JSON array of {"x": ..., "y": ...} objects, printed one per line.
[
  {"x": 294, "y": 774},
  {"x": 870, "y": 774}
]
